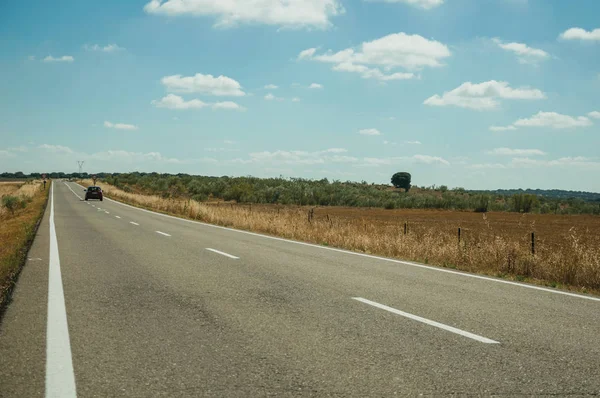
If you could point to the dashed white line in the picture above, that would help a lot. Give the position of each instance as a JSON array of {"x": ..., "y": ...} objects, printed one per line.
[
  {"x": 134, "y": 223},
  {"x": 222, "y": 253},
  {"x": 60, "y": 378},
  {"x": 364, "y": 255},
  {"x": 427, "y": 321},
  {"x": 117, "y": 217},
  {"x": 162, "y": 233},
  {"x": 106, "y": 212}
]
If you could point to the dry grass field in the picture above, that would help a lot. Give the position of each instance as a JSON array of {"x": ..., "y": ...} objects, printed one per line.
[
  {"x": 567, "y": 248},
  {"x": 17, "y": 230}
]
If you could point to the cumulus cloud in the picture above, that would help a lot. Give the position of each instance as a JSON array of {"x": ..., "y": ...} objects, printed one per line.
[
  {"x": 295, "y": 99},
  {"x": 315, "y": 86},
  {"x": 369, "y": 132},
  {"x": 576, "y": 161},
  {"x": 423, "y": 4},
  {"x": 331, "y": 155},
  {"x": 230, "y": 13},
  {"x": 109, "y": 48},
  {"x": 6, "y": 154},
  {"x": 483, "y": 96},
  {"x": 120, "y": 126},
  {"x": 594, "y": 115},
  {"x": 64, "y": 58},
  {"x": 525, "y": 54},
  {"x": 397, "y": 50},
  {"x": 56, "y": 148},
  {"x": 516, "y": 152},
  {"x": 581, "y": 34},
  {"x": 271, "y": 97},
  {"x": 553, "y": 120},
  {"x": 425, "y": 159},
  {"x": 413, "y": 142},
  {"x": 271, "y": 87},
  {"x": 172, "y": 101},
  {"x": 203, "y": 84}
]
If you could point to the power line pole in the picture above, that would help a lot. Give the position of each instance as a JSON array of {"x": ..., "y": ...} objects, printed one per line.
[{"x": 80, "y": 164}]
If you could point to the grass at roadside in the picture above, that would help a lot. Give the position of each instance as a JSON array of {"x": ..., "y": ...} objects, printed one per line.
[
  {"x": 17, "y": 228},
  {"x": 568, "y": 255}
]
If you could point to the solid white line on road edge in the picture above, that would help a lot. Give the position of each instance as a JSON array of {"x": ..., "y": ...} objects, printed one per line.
[
  {"x": 60, "y": 378},
  {"x": 221, "y": 253},
  {"x": 80, "y": 198},
  {"x": 162, "y": 233},
  {"x": 117, "y": 217},
  {"x": 390, "y": 260},
  {"x": 427, "y": 321},
  {"x": 134, "y": 223}
]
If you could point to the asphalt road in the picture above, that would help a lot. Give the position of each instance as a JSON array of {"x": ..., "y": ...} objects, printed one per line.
[{"x": 152, "y": 312}]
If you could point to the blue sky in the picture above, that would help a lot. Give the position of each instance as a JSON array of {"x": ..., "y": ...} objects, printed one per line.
[{"x": 481, "y": 94}]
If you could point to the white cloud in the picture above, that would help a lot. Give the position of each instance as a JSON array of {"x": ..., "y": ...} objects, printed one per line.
[
  {"x": 483, "y": 96},
  {"x": 307, "y": 54},
  {"x": 109, "y": 48},
  {"x": 315, "y": 86},
  {"x": 203, "y": 84},
  {"x": 413, "y": 142},
  {"x": 134, "y": 157},
  {"x": 594, "y": 115},
  {"x": 172, "y": 101},
  {"x": 64, "y": 58},
  {"x": 120, "y": 126},
  {"x": 502, "y": 128},
  {"x": 271, "y": 87},
  {"x": 21, "y": 148},
  {"x": 424, "y": 4},
  {"x": 271, "y": 97},
  {"x": 526, "y": 54},
  {"x": 581, "y": 34},
  {"x": 385, "y": 142},
  {"x": 284, "y": 13},
  {"x": 553, "y": 120},
  {"x": 430, "y": 159},
  {"x": 397, "y": 50},
  {"x": 228, "y": 105},
  {"x": 516, "y": 152},
  {"x": 31, "y": 58},
  {"x": 295, "y": 99},
  {"x": 331, "y": 155},
  {"x": 56, "y": 148},
  {"x": 229, "y": 142},
  {"x": 369, "y": 132},
  {"x": 577, "y": 161}
]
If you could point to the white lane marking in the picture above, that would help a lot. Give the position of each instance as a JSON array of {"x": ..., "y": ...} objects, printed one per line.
[
  {"x": 93, "y": 205},
  {"x": 390, "y": 260},
  {"x": 117, "y": 217},
  {"x": 60, "y": 378},
  {"x": 428, "y": 321},
  {"x": 107, "y": 212},
  {"x": 134, "y": 223},
  {"x": 80, "y": 198},
  {"x": 162, "y": 233},
  {"x": 222, "y": 253}
]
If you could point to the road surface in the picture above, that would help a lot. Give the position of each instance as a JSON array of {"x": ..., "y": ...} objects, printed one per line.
[{"x": 117, "y": 301}]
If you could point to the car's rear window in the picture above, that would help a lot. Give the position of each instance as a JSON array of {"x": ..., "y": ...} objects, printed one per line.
[{"x": 93, "y": 189}]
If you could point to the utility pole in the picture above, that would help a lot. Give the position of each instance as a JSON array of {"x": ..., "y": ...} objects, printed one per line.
[{"x": 80, "y": 164}]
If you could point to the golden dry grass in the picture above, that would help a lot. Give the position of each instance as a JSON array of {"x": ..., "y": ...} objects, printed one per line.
[
  {"x": 499, "y": 244},
  {"x": 17, "y": 230}
]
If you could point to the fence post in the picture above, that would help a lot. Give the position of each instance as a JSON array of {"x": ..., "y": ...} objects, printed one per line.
[
  {"x": 533, "y": 243},
  {"x": 459, "y": 235},
  {"x": 405, "y": 227}
]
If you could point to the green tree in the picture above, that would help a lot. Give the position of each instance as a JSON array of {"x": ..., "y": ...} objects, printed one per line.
[{"x": 401, "y": 180}]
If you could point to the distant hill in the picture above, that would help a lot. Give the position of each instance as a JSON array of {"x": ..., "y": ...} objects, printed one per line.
[{"x": 548, "y": 193}]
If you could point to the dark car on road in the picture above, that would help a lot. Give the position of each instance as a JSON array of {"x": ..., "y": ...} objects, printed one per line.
[{"x": 93, "y": 193}]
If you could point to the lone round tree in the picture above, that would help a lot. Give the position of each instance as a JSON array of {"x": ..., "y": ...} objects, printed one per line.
[{"x": 401, "y": 180}]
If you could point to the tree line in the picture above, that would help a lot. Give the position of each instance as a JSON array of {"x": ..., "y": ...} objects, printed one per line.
[{"x": 308, "y": 192}]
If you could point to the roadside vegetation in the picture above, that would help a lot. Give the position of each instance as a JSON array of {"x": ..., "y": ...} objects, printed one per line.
[
  {"x": 22, "y": 205},
  {"x": 566, "y": 251}
]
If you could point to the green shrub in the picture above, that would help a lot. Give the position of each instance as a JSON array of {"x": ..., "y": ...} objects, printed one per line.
[{"x": 11, "y": 203}]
